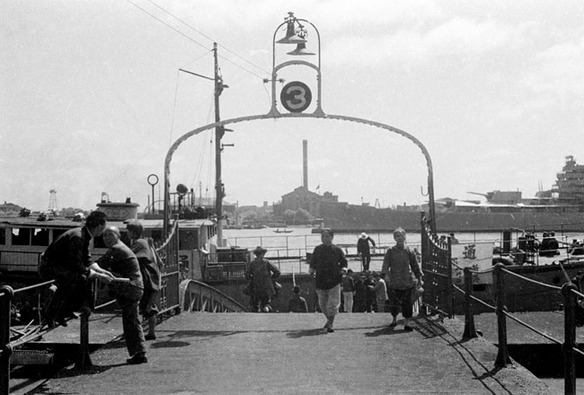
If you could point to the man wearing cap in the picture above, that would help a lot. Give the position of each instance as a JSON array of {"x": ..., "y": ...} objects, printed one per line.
[
  {"x": 364, "y": 250},
  {"x": 328, "y": 263},
  {"x": 150, "y": 275},
  {"x": 261, "y": 274},
  {"x": 128, "y": 289}
]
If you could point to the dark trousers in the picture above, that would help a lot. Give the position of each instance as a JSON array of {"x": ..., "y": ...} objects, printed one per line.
[
  {"x": 133, "y": 333},
  {"x": 401, "y": 299},
  {"x": 366, "y": 259},
  {"x": 73, "y": 292},
  {"x": 260, "y": 299}
]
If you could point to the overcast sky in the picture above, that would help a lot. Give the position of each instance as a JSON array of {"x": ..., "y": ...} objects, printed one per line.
[{"x": 91, "y": 98}]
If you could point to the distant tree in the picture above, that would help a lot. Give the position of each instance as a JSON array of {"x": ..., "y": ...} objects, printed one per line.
[
  {"x": 302, "y": 216},
  {"x": 289, "y": 216},
  {"x": 249, "y": 216},
  {"x": 24, "y": 212}
]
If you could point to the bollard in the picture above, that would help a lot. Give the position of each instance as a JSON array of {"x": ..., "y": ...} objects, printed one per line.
[
  {"x": 469, "y": 324},
  {"x": 569, "y": 337},
  {"x": 503, "y": 358},
  {"x": 84, "y": 359},
  {"x": 6, "y": 293}
]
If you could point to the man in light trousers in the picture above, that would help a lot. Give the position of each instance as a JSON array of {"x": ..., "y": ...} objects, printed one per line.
[{"x": 328, "y": 264}]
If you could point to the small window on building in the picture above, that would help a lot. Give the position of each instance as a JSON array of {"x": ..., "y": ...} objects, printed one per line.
[
  {"x": 40, "y": 237},
  {"x": 2, "y": 236},
  {"x": 21, "y": 237}
]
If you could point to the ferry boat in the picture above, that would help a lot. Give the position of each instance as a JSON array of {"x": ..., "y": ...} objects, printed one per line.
[
  {"x": 24, "y": 239},
  {"x": 553, "y": 260}
]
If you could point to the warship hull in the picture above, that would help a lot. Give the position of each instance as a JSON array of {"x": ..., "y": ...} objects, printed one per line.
[{"x": 354, "y": 218}]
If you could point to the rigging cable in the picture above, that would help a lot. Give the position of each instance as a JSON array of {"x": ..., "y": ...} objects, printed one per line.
[
  {"x": 208, "y": 38},
  {"x": 164, "y": 23}
]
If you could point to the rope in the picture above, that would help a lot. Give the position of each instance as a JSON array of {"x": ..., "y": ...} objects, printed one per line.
[
  {"x": 474, "y": 298},
  {"x": 532, "y": 328},
  {"x": 565, "y": 273},
  {"x": 576, "y": 349},
  {"x": 531, "y": 281}
]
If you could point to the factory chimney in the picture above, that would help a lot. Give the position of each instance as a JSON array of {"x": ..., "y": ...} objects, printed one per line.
[{"x": 305, "y": 163}]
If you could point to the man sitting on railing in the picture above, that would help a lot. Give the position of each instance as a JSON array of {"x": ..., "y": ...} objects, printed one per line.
[{"x": 68, "y": 261}]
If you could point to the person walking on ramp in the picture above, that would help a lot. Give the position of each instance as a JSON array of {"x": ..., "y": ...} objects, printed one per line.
[
  {"x": 328, "y": 264},
  {"x": 261, "y": 274},
  {"x": 399, "y": 263},
  {"x": 364, "y": 249}
]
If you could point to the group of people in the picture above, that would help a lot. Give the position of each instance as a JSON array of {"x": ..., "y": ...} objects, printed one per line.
[
  {"x": 130, "y": 272},
  {"x": 365, "y": 292},
  {"x": 453, "y": 239},
  {"x": 336, "y": 285},
  {"x": 400, "y": 275}
]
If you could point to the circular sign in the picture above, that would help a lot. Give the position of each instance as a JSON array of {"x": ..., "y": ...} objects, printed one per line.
[
  {"x": 296, "y": 96},
  {"x": 152, "y": 179}
]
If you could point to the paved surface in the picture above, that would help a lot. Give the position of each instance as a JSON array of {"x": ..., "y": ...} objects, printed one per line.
[{"x": 243, "y": 353}]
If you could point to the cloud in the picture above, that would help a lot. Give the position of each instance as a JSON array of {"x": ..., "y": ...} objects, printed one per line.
[
  {"x": 459, "y": 38},
  {"x": 559, "y": 70}
]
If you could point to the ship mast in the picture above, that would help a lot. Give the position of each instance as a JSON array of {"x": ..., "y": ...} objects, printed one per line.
[{"x": 219, "y": 132}]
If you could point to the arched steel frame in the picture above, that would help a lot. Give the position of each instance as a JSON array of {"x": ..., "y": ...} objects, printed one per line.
[{"x": 318, "y": 115}]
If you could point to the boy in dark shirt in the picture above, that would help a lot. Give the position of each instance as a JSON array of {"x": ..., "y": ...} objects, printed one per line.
[{"x": 297, "y": 304}]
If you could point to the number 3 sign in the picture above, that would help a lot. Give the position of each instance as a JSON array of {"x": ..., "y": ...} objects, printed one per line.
[{"x": 296, "y": 96}]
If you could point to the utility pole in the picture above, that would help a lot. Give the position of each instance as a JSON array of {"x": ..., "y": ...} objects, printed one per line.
[{"x": 219, "y": 132}]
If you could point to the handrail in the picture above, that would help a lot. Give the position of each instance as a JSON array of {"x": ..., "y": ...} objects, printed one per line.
[
  {"x": 531, "y": 280},
  {"x": 212, "y": 295},
  {"x": 569, "y": 345},
  {"x": 533, "y": 329},
  {"x": 34, "y": 286}
]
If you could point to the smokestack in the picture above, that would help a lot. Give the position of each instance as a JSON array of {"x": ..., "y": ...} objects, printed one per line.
[{"x": 305, "y": 163}]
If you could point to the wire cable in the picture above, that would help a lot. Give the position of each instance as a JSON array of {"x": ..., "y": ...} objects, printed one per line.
[
  {"x": 210, "y": 39},
  {"x": 166, "y": 24}
]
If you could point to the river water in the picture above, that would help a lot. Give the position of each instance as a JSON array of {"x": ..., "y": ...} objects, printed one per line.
[{"x": 300, "y": 241}]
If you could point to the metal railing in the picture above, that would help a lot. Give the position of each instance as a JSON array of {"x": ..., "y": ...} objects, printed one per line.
[
  {"x": 437, "y": 267},
  {"x": 569, "y": 345},
  {"x": 199, "y": 296}
]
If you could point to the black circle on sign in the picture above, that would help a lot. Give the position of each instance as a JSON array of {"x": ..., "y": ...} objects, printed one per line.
[{"x": 296, "y": 96}]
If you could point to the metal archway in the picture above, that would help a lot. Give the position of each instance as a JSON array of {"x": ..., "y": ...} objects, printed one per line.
[{"x": 431, "y": 219}]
